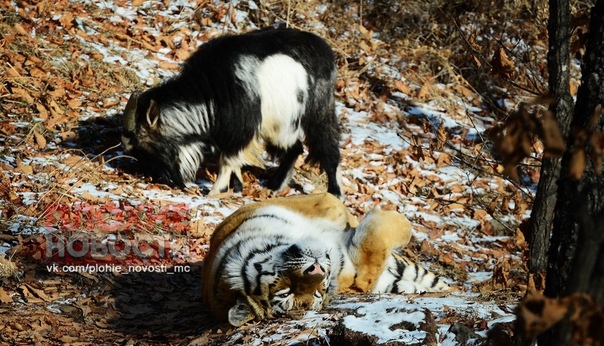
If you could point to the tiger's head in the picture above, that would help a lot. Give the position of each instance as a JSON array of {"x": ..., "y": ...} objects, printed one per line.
[{"x": 293, "y": 278}]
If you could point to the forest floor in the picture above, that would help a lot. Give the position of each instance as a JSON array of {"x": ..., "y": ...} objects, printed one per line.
[{"x": 420, "y": 97}]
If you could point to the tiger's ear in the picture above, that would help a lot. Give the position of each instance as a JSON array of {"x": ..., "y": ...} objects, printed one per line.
[
  {"x": 152, "y": 113},
  {"x": 241, "y": 313}
]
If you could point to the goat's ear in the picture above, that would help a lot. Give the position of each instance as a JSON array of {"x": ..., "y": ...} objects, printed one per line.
[{"x": 152, "y": 114}]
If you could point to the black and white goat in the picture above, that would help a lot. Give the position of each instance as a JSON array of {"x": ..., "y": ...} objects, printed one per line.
[{"x": 235, "y": 97}]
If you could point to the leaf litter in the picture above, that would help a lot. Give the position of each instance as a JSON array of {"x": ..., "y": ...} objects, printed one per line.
[{"x": 415, "y": 139}]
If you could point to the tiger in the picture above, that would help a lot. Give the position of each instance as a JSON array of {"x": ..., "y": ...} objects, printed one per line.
[{"x": 273, "y": 258}]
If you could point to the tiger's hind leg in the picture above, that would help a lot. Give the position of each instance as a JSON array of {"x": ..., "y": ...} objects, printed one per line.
[{"x": 372, "y": 244}]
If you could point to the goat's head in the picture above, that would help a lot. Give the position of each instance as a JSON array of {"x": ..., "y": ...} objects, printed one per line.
[{"x": 169, "y": 155}]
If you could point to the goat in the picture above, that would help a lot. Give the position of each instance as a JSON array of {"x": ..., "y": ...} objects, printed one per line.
[{"x": 236, "y": 96}]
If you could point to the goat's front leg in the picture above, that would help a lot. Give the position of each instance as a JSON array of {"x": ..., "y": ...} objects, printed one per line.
[
  {"x": 236, "y": 181},
  {"x": 224, "y": 175}
]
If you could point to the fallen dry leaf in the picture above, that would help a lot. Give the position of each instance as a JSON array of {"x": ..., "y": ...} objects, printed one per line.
[
  {"x": 24, "y": 168},
  {"x": 4, "y": 297},
  {"x": 40, "y": 140},
  {"x": 501, "y": 65}
]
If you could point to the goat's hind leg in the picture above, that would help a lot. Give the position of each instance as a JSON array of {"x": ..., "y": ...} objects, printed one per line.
[{"x": 324, "y": 148}]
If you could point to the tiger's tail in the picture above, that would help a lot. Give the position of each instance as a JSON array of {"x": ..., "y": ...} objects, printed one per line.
[{"x": 404, "y": 276}]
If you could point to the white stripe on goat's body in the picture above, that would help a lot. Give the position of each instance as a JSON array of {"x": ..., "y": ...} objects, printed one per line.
[
  {"x": 282, "y": 85},
  {"x": 245, "y": 71},
  {"x": 190, "y": 158},
  {"x": 283, "y": 92},
  {"x": 185, "y": 118}
]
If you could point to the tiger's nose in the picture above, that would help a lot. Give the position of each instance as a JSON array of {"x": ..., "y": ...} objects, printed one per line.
[{"x": 315, "y": 269}]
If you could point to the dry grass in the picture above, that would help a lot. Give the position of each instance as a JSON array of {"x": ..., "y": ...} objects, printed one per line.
[{"x": 8, "y": 269}]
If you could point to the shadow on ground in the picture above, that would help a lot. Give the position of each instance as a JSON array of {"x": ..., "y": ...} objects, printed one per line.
[
  {"x": 160, "y": 306},
  {"x": 62, "y": 307},
  {"x": 101, "y": 136}
]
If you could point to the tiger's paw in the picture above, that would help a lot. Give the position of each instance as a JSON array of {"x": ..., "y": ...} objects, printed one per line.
[{"x": 241, "y": 313}]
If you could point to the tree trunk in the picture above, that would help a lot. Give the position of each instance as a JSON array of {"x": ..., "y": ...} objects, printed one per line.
[
  {"x": 542, "y": 215},
  {"x": 576, "y": 253},
  {"x": 579, "y": 201}
]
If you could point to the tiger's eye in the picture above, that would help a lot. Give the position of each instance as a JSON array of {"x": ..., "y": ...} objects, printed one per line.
[{"x": 283, "y": 293}]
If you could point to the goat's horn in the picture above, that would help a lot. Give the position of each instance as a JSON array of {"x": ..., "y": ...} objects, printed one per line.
[{"x": 130, "y": 112}]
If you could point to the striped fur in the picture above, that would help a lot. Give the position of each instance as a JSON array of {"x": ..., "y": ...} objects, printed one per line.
[{"x": 271, "y": 258}]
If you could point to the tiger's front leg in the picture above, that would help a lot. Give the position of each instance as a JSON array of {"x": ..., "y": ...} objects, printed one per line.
[{"x": 371, "y": 246}]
